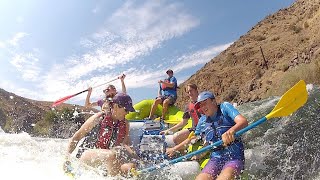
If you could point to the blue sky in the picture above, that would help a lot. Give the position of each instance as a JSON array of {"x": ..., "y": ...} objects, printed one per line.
[{"x": 51, "y": 49}]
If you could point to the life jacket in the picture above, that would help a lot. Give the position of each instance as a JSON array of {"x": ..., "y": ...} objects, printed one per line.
[
  {"x": 111, "y": 133},
  {"x": 195, "y": 114},
  {"x": 215, "y": 129},
  {"x": 115, "y": 133},
  {"x": 164, "y": 87}
]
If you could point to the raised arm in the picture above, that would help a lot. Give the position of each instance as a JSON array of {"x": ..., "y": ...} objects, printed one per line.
[
  {"x": 88, "y": 103},
  {"x": 123, "y": 86}
]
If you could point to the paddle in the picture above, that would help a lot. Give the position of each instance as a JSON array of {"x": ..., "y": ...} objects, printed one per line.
[
  {"x": 293, "y": 99},
  {"x": 61, "y": 100}
]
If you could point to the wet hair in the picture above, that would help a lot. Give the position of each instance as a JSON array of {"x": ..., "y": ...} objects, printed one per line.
[
  {"x": 110, "y": 86},
  {"x": 193, "y": 86}
]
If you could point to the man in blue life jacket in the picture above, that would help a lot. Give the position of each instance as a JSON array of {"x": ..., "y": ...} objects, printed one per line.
[
  {"x": 167, "y": 94},
  {"x": 222, "y": 121}
]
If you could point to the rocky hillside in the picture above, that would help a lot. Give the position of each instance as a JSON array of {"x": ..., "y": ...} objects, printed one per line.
[
  {"x": 277, "y": 52},
  {"x": 19, "y": 114}
]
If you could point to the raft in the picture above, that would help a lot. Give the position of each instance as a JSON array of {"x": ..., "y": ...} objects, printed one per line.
[{"x": 174, "y": 115}]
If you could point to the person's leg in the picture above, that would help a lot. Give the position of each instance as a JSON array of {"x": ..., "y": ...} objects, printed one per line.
[
  {"x": 126, "y": 168},
  {"x": 154, "y": 107},
  {"x": 102, "y": 157},
  {"x": 165, "y": 106},
  {"x": 231, "y": 169},
  {"x": 211, "y": 170},
  {"x": 180, "y": 136}
]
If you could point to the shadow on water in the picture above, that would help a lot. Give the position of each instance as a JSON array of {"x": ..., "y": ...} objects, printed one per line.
[{"x": 283, "y": 148}]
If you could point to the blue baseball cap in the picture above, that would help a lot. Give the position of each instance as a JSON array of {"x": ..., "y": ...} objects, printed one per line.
[{"x": 202, "y": 97}]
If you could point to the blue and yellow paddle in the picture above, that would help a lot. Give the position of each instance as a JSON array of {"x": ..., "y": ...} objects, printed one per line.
[{"x": 292, "y": 100}]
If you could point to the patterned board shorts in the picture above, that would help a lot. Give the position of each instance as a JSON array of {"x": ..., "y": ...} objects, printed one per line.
[{"x": 216, "y": 165}]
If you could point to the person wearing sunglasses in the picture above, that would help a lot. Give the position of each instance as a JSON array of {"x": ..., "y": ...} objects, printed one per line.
[
  {"x": 110, "y": 91},
  {"x": 106, "y": 140}
]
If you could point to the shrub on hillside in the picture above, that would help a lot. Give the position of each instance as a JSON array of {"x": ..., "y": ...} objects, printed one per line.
[{"x": 307, "y": 72}]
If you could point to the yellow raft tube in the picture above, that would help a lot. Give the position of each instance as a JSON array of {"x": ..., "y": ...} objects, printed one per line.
[{"x": 174, "y": 115}]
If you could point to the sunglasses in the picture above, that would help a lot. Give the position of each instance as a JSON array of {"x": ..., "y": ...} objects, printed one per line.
[
  {"x": 121, "y": 106},
  {"x": 107, "y": 90}
]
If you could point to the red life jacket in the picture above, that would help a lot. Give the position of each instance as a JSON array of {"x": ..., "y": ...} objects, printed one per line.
[
  {"x": 111, "y": 133},
  {"x": 195, "y": 115}
]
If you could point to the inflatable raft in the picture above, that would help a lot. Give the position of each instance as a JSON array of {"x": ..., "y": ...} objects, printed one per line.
[{"x": 174, "y": 115}]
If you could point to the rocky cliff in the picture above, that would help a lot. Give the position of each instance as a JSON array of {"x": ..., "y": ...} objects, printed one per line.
[{"x": 277, "y": 52}]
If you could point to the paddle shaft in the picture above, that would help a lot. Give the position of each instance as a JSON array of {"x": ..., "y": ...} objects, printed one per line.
[
  {"x": 61, "y": 100},
  {"x": 204, "y": 149}
]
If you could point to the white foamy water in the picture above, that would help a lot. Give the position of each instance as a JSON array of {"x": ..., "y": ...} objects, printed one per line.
[{"x": 24, "y": 157}]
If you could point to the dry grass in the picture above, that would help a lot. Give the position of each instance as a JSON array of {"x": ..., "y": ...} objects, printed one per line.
[{"x": 310, "y": 73}]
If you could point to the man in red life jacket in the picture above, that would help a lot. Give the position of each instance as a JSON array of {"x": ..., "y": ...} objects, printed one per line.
[
  {"x": 167, "y": 94},
  {"x": 174, "y": 141}
]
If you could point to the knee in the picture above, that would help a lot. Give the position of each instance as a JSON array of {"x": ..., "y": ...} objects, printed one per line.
[
  {"x": 126, "y": 168},
  {"x": 166, "y": 102},
  {"x": 204, "y": 176},
  {"x": 108, "y": 156},
  {"x": 157, "y": 101}
]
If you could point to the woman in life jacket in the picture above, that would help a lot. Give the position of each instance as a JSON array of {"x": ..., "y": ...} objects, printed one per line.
[
  {"x": 107, "y": 145},
  {"x": 222, "y": 121}
]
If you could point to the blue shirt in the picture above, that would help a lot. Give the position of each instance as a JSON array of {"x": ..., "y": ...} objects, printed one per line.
[
  {"x": 228, "y": 110},
  {"x": 201, "y": 125}
]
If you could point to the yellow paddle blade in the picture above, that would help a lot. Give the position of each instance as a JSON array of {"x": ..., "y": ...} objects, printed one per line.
[{"x": 292, "y": 100}]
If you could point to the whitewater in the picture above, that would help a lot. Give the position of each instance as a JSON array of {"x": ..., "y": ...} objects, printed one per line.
[{"x": 283, "y": 148}]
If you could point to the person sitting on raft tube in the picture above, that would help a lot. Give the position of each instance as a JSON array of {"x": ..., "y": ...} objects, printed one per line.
[
  {"x": 174, "y": 141},
  {"x": 110, "y": 91},
  {"x": 167, "y": 94},
  {"x": 222, "y": 121},
  {"x": 107, "y": 141}
]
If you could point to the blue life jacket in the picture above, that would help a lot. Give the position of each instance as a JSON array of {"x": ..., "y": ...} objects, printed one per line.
[{"x": 213, "y": 132}]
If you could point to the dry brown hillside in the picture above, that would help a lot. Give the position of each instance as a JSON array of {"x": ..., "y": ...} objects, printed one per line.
[
  {"x": 290, "y": 42},
  {"x": 19, "y": 114}
]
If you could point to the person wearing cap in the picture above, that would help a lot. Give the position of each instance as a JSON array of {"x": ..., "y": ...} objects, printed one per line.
[
  {"x": 107, "y": 141},
  {"x": 222, "y": 121},
  {"x": 110, "y": 91},
  {"x": 167, "y": 94}
]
